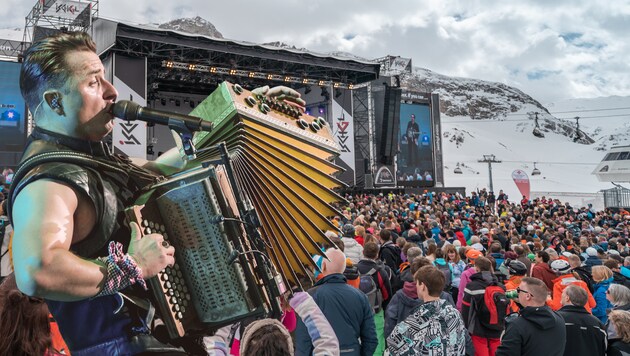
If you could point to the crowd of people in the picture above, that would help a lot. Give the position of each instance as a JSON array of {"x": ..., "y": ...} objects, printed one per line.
[{"x": 481, "y": 275}]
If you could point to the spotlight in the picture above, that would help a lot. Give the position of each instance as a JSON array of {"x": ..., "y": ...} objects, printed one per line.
[
  {"x": 163, "y": 101},
  {"x": 177, "y": 102},
  {"x": 321, "y": 109},
  {"x": 325, "y": 93}
]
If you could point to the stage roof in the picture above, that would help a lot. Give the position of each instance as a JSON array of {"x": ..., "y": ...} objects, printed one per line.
[{"x": 161, "y": 46}]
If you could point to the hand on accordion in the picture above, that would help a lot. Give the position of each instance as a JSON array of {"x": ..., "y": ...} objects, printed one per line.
[
  {"x": 286, "y": 94},
  {"x": 151, "y": 252}
]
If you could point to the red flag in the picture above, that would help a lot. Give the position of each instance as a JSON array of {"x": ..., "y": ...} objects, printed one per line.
[{"x": 522, "y": 182}]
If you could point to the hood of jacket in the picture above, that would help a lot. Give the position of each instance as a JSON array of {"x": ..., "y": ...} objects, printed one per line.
[
  {"x": 349, "y": 242},
  {"x": 409, "y": 290},
  {"x": 440, "y": 261},
  {"x": 486, "y": 276},
  {"x": 543, "y": 317}
]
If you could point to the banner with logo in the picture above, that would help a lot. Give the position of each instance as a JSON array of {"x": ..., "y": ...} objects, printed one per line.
[
  {"x": 130, "y": 136},
  {"x": 343, "y": 131},
  {"x": 66, "y": 9},
  {"x": 521, "y": 179}
]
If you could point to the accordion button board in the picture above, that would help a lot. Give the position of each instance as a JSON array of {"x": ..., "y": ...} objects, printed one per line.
[
  {"x": 283, "y": 162},
  {"x": 203, "y": 290}
]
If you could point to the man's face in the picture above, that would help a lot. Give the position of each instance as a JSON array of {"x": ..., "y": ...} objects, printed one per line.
[
  {"x": 524, "y": 297},
  {"x": 89, "y": 96}
]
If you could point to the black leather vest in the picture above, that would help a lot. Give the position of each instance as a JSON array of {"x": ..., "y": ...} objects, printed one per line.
[{"x": 109, "y": 191}]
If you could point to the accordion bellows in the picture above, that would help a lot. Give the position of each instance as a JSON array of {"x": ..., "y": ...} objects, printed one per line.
[{"x": 283, "y": 164}]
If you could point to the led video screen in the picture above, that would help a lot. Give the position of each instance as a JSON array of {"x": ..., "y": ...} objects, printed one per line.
[
  {"x": 13, "y": 114},
  {"x": 415, "y": 163}
]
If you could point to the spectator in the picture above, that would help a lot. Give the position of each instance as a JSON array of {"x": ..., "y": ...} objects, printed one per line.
[
  {"x": 346, "y": 309},
  {"x": 471, "y": 255},
  {"x": 406, "y": 299},
  {"x": 382, "y": 276},
  {"x": 457, "y": 267},
  {"x": 389, "y": 252},
  {"x": 352, "y": 249},
  {"x": 538, "y": 330},
  {"x": 619, "y": 337},
  {"x": 618, "y": 278},
  {"x": 583, "y": 272},
  {"x": 434, "y": 319},
  {"x": 542, "y": 270},
  {"x": 592, "y": 259},
  {"x": 585, "y": 333},
  {"x": 566, "y": 278},
  {"x": 603, "y": 277},
  {"x": 475, "y": 308},
  {"x": 619, "y": 297},
  {"x": 515, "y": 271},
  {"x": 522, "y": 256}
]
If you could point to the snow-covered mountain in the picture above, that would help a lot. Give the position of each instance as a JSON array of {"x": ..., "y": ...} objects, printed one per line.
[{"x": 195, "y": 25}]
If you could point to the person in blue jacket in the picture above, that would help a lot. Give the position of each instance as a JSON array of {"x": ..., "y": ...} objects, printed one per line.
[
  {"x": 346, "y": 308},
  {"x": 603, "y": 277}
]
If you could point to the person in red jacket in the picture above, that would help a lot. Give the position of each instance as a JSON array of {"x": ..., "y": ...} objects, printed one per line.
[
  {"x": 542, "y": 271},
  {"x": 565, "y": 279}
]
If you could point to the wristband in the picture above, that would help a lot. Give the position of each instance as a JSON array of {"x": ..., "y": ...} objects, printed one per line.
[{"x": 122, "y": 270}]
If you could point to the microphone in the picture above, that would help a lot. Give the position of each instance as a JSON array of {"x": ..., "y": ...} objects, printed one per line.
[{"x": 128, "y": 110}]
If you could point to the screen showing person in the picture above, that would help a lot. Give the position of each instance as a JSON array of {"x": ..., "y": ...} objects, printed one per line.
[{"x": 415, "y": 157}]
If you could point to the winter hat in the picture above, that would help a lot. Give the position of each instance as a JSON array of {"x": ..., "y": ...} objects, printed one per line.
[
  {"x": 473, "y": 254},
  {"x": 591, "y": 251},
  {"x": 530, "y": 228},
  {"x": 612, "y": 252},
  {"x": 348, "y": 230},
  {"x": 478, "y": 247},
  {"x": 531, "y": 257},
  {"x": 258, "y": 324},
  {"x": 560, "y": 266},
  {"x": 484, "y": 231}
]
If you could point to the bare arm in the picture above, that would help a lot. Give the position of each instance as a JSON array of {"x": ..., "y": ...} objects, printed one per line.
[{"x": 43, "y": 216}]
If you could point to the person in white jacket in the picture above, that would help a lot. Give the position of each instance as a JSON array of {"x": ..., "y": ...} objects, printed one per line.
[
  {"x": 262, "y": 335},
  {"x": 352, "y": 249}
]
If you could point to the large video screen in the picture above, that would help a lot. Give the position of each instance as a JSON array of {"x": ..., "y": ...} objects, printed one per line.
[
  {"x": 415, "y": 163},
  {"x": 13, "y": 114}
]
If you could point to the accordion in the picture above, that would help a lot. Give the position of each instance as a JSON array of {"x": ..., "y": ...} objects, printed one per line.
[
  {"x": 265, "y": 199},
  {"x": 205, "y": 289}
]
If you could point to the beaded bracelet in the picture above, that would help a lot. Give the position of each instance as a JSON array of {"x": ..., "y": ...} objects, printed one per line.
[{"x": 122, "y": 270}]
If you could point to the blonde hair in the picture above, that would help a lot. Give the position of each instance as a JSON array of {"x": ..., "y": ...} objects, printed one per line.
[
  {"x": 601, "y": 273},
  {"x": 621, "y": 321}
]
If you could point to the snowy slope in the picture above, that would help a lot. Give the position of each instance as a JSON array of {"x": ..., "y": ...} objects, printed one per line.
[{"x": 565, "y": 165}]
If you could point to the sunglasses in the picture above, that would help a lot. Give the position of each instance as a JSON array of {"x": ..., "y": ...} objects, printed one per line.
[{"x": 519, "y": 290}]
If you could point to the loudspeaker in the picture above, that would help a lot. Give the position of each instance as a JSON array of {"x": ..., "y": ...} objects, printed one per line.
[
  {"x": 369, "y": 181},
  {"x": 390, "y": 126}
]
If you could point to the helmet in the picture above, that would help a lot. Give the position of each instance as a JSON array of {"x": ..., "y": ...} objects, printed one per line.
[
  {"x": 560, "y": 266},
  {"x": 516, "y": 268}
]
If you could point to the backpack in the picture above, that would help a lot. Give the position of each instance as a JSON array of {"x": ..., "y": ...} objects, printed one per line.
[
  {"x": 371, "y": 289},
  {"x": 448, "y": 275},
  {"x": 491, "y": 312}
]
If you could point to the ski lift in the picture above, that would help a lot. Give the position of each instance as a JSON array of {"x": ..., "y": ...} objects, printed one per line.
[
  {"x": 536, "y": 171},
  {"x": 457, "y": 169},
  {"x": 578, "y": 133},
  {"x": 536, "y": 132}
]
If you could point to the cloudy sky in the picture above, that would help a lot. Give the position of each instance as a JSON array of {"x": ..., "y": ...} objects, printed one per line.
[{"x": 552, "y": 50}]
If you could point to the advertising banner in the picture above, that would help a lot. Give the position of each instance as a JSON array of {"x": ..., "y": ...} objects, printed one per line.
[
  {"x": 343, "y": 131},
  {"x": 521, "y": 179},
  {"x": 66, "y": 9}
]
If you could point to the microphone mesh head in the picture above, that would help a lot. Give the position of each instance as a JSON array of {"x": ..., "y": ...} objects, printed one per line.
[{"x": 126, "y": 110}]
